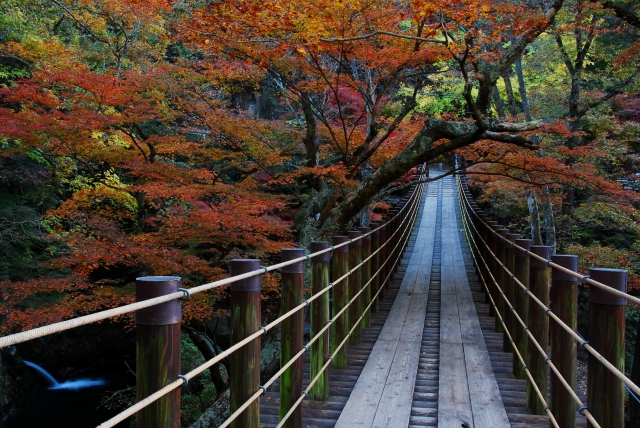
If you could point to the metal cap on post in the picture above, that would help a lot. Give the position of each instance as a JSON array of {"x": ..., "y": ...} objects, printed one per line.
[
  {"x": 564, "y": 351},
  {"x": 244, "y": 376},
  {"x": 605, "y": 391},
  {"x": 319, "y": 314},
  {"x": 614, "y": 278},
  {"x": 158, "y": 351}
]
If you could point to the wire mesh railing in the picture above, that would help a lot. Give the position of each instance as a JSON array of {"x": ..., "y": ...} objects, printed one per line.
[
  {"x": 549, "y": 293},
  {"x": 158, "y": 315}
]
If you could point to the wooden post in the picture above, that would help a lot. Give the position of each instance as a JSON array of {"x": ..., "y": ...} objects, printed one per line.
[
  {"x": 510, "y": 290},
  {"x": 355, "y": 284},
  {"x": 340, "y": 325},
  {"x": 319, "y": 313},
  {"x": 365, "y": 297},
  {"x": 244, "y": 378},
  {"x": 501, "y": 276},
  {"x": 382, "y": 260},
  {"x": 564, "y": 350},
  {"x": 605, "y": 391},
  {"x": 393, "y": 240},
  {"x": 158, "y": 351},
  {"x": 538, "y": 323},
  {"x": 490, "y": 239},
  {"x": 523, "y": 275},
  {"x": 291, "y": 335},
  {"x": 374, "y": 265}
]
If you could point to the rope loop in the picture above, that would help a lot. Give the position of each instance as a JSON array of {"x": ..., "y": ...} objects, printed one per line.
[
  {"x": 524, "y": 330},
  {"x": 526, "y": 290},
  {"x": 546, "y": 408},
  {"x": 185, "y": 380},
  {"x": 548, "y": 262},
  {"x": 546, "y": 311},
  {"x": 306, "y": 302},
  {"x": 525, "y": 368},
  {"x": 306, "y": 394},
  {"x": 331, "y": 284},
  {"x": 187, "y": 294},
  {"x": 306, "y": 348},
  {"x": 332, "y": 247},
  {"x": 584, "y": 342},
  {"x": 583, "y": 280},
  {"x": 264, "y": 329},
  {"x": 265, "y": 269},
  {"x": 546, "y": 360},
  {"x": 511, "y": 309},
  {"x": 264, "y": 390},
  {"x": 582, "y": 409},
  {"x": 308, "y": 256}
]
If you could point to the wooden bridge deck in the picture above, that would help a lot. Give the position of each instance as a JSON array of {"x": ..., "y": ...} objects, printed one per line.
[{"x": 430, "y": 357}]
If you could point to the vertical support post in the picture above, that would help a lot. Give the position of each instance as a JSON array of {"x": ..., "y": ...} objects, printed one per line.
[
  {"x": 523, "y": 275},
  {"x": 490, "y": 239},
  {"x": 375, "y": 265},
  {"x": 355, "y": 284},
  {"x": 340, "y": 325},
  {"x": 510, "y": 289},
  {"x": 538, "y": 323},
  {"x": 319, "y": 313},
  {"x": 158, "y": 351},
  {"x": 382, "y": 259},
  {"x": 244, "y": 378},
  {"x": 501, "y": 276},
  {"x": 605, "y": 391},
  {"x": 365, "y": 297},
  {"x": 564, "y": 350},
  {"x": 393, "y": 251},
  {"x": 291, "y": 335}
]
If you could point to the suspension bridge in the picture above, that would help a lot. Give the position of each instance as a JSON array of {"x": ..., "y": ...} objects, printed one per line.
[{"x": 435, "y": 316}]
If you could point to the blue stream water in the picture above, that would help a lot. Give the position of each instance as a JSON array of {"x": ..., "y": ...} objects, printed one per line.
[{"x": 68, "y": 404}]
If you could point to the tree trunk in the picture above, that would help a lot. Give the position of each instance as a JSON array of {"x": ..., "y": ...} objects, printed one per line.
[
  {"x": 511, "y": 102},
  {"x": 535, "y": 218},
  {"x": 523, "y": 90},
  {"x": 497, "y": 101},
  {"x": 208, "y": 352},
  {"x": 549, "y": 222}
]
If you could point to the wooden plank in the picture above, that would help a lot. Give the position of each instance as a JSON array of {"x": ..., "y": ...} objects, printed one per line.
[
  {"x": 486, "y": 402},
  {"x": 454, "y": 404},
  {"x": 367, "y": 391},
  {"x": 394, "y": 409}
]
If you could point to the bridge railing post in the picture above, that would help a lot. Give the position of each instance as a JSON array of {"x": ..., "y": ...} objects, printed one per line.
[
  {"x": 500, "y": 277},
  {"x": 384, "y": 253},
  {"x": 355, "y": 284},
  {"x": 291, "y": 335},
  {"x": 510, "y": 290},
  {"x": 563, "y": 297},
  {"x": 605, "y": 391},
  {"x": 365, "y": 297},
  {"x": 538, "y": 323},
  {"x": 158, "y": 351},
  {"x": 490, "y": 239},
  {"x": 375, "y": 265},
  {"x": 393, "y": 251},
  {"x": 244, "y": 376},
  {"x": 319, "y": 313},
  {"x": 340, "y": 325},
  {"x": 523, "y": 274}
]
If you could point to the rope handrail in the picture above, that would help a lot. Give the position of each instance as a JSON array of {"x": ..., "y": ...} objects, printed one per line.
[
  {"x": 561, "y": 323},
  {"x": 584, "y": 278},
  {"x": 46, "y": 330},
  {"x": 153, "y": 397},
  {"x": 532, "y": 338}
]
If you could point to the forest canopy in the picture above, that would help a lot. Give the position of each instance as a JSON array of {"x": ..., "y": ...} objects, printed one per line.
[{"x": 168, "y": 137}]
